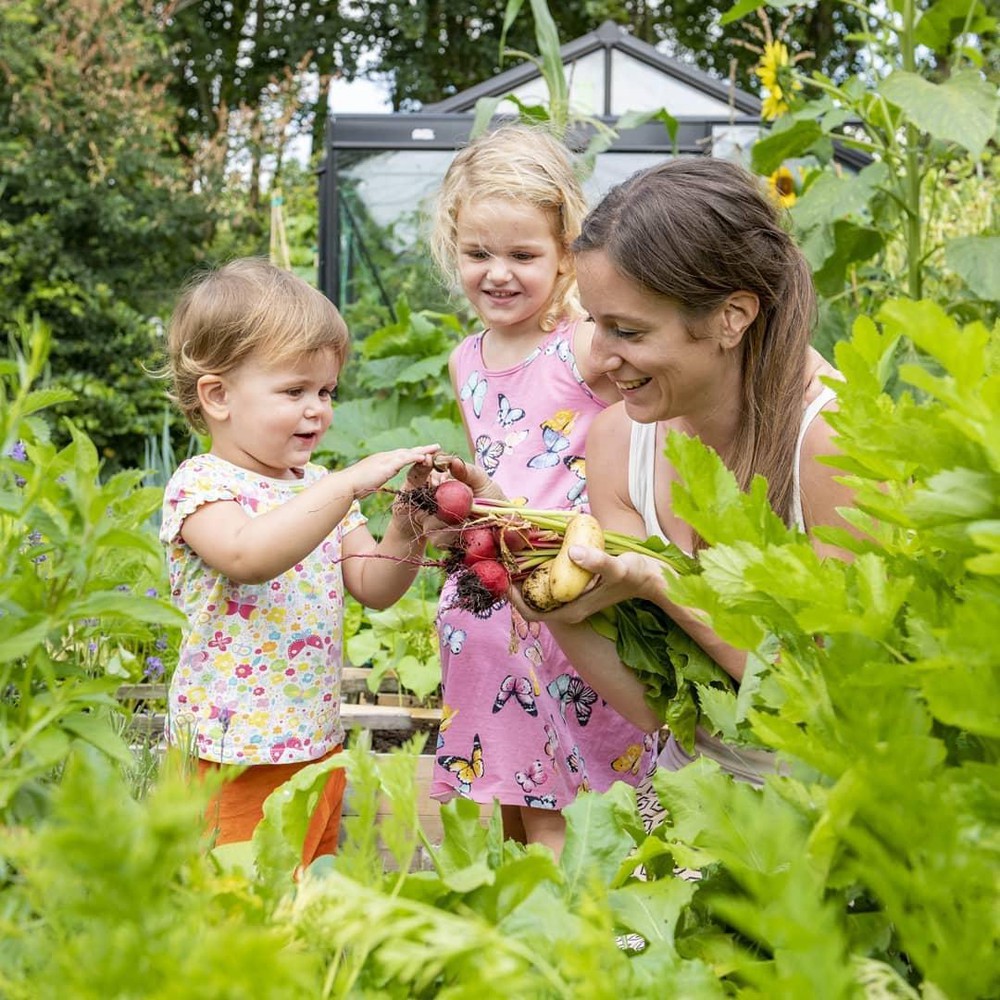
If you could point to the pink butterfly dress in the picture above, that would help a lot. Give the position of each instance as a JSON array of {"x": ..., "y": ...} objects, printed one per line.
[
  {"x": 520, "y": 725},
  {"x": 258, "y": 679}
]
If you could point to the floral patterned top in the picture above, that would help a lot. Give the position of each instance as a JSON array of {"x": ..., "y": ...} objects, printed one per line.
[{"x": 258, "y": 679}]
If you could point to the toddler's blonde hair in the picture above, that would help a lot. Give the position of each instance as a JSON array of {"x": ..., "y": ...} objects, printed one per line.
[
  {"x": 524, "y": 163},
  {"x": 246, "y": 307}
]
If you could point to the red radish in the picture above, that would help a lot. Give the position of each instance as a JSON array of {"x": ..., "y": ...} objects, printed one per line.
[
  {"x": 454, "y": 501},
  {"x": 479, "y": 544},
  {"x": 515, "y": 539},
  {"x": 493, "y": 577}
]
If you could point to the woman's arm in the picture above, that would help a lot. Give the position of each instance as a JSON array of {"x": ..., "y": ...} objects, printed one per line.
[{"x": 821, "y": 494}]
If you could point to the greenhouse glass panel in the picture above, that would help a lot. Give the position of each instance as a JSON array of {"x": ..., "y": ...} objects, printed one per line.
[{"x": 586, "y": 79}]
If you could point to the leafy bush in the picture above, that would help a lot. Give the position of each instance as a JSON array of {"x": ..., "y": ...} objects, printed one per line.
[{"x": 78, "y": 605}]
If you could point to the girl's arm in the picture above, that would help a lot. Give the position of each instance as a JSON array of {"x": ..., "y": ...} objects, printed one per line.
[{"x": 255, "y": 549}]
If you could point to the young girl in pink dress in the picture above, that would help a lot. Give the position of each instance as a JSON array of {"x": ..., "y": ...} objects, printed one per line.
[{"x": 521, "y": 727}]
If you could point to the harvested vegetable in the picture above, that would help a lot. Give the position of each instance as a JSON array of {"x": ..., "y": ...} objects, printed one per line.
[
  {"x": 567, "y": 580},
  {"x": 536, "y": 589},
  {"x": 453, "y": 501},
  {"x": 479, "y": 544},
  {"x": 494, "y": 578}
]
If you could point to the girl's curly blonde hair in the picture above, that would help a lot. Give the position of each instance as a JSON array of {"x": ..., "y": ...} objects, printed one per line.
[
  {"x": 524, "y": 163},
  {"x": 246, "y": 307}
]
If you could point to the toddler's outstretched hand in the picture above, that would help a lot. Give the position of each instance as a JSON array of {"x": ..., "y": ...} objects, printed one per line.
[{"x": 376, "y": 470}]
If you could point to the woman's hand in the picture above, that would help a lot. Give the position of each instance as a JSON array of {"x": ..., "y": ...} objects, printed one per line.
[{"x": 616, "y": 579}]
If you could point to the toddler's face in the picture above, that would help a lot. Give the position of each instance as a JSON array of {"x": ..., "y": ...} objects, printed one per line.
[{"x": 276, "y": 415}]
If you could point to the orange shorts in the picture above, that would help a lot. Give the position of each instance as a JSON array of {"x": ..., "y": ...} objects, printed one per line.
[{"x": 233, "y": 814}]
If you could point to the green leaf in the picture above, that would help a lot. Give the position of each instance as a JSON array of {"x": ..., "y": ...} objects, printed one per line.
[
  {"x": 596, "y": 838},
  {"x": 652, "y": 909},
  {"x": 960, "y": 350},
  {"x": 851, "y": 243},
  {"x": 112, "y": 602},
  {"x": 96, "y": 730},
  {"x": 40, "y": 399},
  {"x": 741, "y": 8},
  {"x": 976, "y": 260},
  {"x": 945, "y": 21},
  {"x": 279, "y": 836},
  {"x": 784, "y": 142},
  {"x": 28, "y": 632},
  {"x": 963, "y": 109}
]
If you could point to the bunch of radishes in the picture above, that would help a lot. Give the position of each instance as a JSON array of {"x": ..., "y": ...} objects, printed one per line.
[{"x": 500, "y": 543}]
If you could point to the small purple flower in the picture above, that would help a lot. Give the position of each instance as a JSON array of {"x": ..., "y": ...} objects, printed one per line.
[
  {"x": 152, "y": 592},
  {"x": 92, "y": 647},
  {"x": 123, "y": 588},
  {"x": 35, "y": 538},
  {"x": 154, "y": 667},
  {"x": 225, "y": 715},
  {"x": 18, "y": 452},
  {"x": 161, "y": 642}
]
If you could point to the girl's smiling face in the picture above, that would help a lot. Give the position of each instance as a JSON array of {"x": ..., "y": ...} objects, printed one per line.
[
  {"x": 644, "y": 343},
  {"x": 508, "y": 262},
  {"x": 272, "y": 417}
]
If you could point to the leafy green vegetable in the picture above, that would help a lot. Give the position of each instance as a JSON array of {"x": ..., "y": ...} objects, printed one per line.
[{"x": 668, "y": 661}]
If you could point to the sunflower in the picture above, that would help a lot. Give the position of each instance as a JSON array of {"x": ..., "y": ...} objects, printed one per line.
[
  {"x": 773, "y": 59},
  {"x": 773, "y": 106},
  {"x": 777, "y": 76},
  {"x": 782, "y": 185}
]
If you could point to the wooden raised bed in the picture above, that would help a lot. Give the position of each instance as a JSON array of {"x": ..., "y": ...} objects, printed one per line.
[{"x": 381, "y": 714}]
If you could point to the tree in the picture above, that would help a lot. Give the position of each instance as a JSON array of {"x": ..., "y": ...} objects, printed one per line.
[
  {"x": 431, "y": 49},
  {"x": 97, "y": 224},
  {"x": 247, "y": 70}
]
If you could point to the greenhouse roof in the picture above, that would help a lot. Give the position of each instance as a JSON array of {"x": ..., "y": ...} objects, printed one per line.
[{"x": 610, "y": 73}]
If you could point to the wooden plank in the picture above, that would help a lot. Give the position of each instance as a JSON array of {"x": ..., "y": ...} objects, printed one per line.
[
  {"x": 141, "y": 692},
  {"x": 397, "y": 718}
]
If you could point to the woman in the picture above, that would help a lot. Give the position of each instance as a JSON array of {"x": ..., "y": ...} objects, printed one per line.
[{"x": 703, "y": 306}]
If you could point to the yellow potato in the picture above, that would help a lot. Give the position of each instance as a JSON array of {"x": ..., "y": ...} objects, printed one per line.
[
  {"x": 536, "y": 591},
  {"x": 567, "y": 580}
]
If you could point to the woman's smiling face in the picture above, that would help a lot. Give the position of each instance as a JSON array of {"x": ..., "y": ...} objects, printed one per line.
[{"x": 643, "y": 343}]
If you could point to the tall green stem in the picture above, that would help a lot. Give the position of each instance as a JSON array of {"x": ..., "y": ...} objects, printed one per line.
[{"x": 914, "y": 236}]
